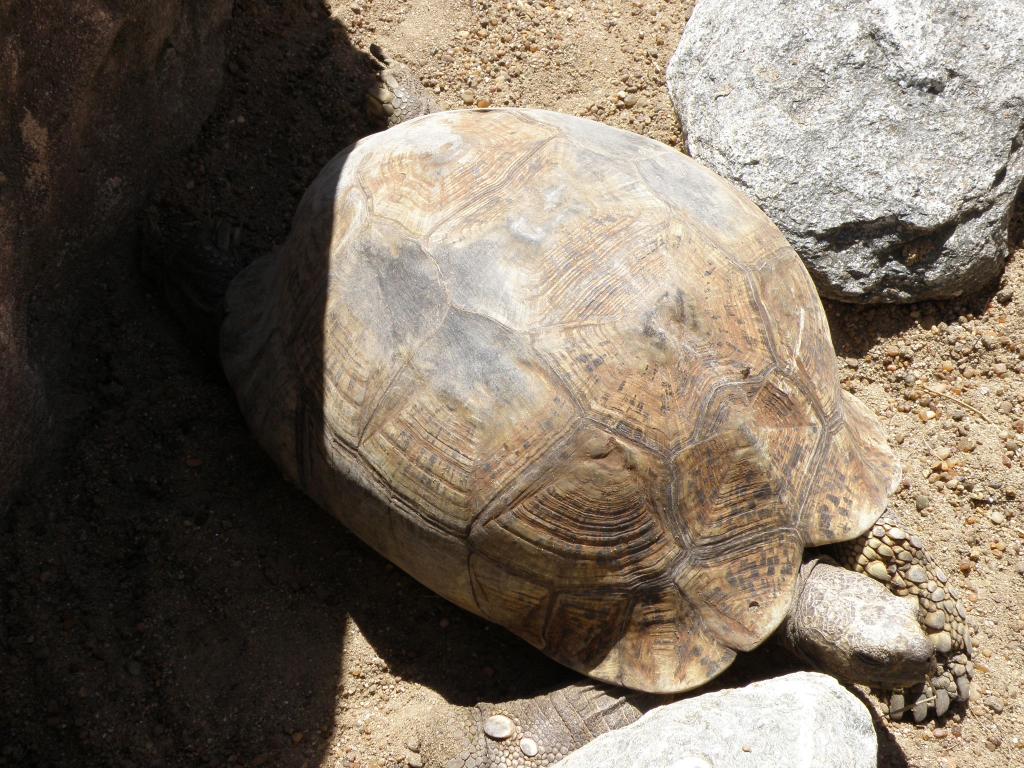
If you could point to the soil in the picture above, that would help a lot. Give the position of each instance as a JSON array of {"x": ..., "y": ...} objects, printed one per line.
[{"x": 168, "y": 600}]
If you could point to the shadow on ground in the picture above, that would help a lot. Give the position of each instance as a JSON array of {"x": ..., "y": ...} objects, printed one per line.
[{"x": 167, "y": 599}]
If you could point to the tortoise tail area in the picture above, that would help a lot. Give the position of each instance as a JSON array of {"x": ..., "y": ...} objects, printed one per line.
[
  {"x": 191, "y": 274},
  {"x": 256, "y": 362}
]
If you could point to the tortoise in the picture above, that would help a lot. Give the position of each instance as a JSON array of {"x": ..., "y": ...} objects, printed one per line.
[{"x": 593, "y": 390}]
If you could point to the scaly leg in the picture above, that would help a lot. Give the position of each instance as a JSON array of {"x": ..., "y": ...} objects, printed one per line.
[{"x": 897, "y": 559}]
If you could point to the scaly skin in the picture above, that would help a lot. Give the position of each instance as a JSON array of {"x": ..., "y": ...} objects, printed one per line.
[
  {"x": 398, "y": 94},
  {"x": 897, "y": 559},
  {"x": 541, "y": 730}
]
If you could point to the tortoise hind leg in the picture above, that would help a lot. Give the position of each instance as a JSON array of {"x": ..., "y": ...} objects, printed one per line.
[
  {"x": 898, "y": 559},
  {"x": 534, "y": 732}
]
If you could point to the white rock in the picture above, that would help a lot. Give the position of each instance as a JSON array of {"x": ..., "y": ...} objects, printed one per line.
[
  {"x": 803, "y": 720},
  {"x": 882, "y": 136}
]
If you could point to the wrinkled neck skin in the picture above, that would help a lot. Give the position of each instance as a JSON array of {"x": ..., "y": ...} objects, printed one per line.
[{"x": 851, "y": 627}]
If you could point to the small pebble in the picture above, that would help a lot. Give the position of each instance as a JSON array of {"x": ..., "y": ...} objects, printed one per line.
[
  {"x": 896, "y": 704},
  {"x": 922, "y": 502},
  {"x": 919, "y": 711},
  {"x": 498, "y": 727},
  {"x": 916, "y": 574},
  {"x": 528, "y": 747},
  {"x": 942, "y": 641},
  {"x": 941, "y": 702},
  {"x": 994, "y": 703},
  {"x": 963, "y": 688}
]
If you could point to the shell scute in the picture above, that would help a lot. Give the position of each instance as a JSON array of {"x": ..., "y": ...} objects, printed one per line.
[
  {"x": 429, "y": 171},
  {"x": 631, "y": 378},
  {"x": 511, "y": 599},
  {"x": 469, "y": 411},
  {"x": 860, "y": 472},
  {"x": 574, "y": 240},
  {"x": 665, "y": 645},
  {"x": 362, "y": 316},
  {"x": 743, "y": 548},
  {"x": 592, "y": 518},
  {"x": 799, "y": 329},
  {"x": 586, "y": 626},
  {"x": 788, "y": 429}
]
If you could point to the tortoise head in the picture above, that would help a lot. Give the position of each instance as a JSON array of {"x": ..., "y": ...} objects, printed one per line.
[{"x": 853, "y": 628}]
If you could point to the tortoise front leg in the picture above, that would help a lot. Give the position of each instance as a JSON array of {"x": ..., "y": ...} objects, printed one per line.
[{"x": 898, "y": 559}]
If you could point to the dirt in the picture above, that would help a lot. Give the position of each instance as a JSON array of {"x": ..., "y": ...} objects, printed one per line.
[{"x": 168, "y": 600}]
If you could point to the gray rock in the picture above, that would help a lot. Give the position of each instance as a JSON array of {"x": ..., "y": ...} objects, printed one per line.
[
  {"x": 884, "y": 138},
  {"x": 803, "y": 719}
]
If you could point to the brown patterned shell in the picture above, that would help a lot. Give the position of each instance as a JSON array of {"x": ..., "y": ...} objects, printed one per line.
[{"x": 590, "y": 381}]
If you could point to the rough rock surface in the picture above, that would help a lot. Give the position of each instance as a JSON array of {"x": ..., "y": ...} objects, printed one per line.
[
  {"x": 883, "y": 138},
  {"x": 801, "y": 719},
  {"x": 94, "y": 97}
]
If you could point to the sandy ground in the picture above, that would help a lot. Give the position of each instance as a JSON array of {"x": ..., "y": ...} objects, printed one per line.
[{"x": 169, "y": 601}]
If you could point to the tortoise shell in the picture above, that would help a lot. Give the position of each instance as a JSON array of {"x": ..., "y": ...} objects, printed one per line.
[{"x": 591, "y": 383}]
